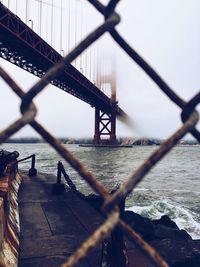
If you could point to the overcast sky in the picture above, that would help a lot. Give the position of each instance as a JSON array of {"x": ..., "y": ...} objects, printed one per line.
[{"x": 165, "y": 33}]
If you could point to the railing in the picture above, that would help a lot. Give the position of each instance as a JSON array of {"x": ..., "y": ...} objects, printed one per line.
[
  {"x": 110, "y": 208},
  {"x": 114, "y": 252},
  {"x": 59, "y": 187},
  {"x": 32, "y": 171}
]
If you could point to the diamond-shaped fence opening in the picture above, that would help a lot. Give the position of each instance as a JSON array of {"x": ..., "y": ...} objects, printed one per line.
[{"x": 189, "y": 118}]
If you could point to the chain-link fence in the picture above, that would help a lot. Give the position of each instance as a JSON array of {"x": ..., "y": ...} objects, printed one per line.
[{"x": 110, "y": 208}]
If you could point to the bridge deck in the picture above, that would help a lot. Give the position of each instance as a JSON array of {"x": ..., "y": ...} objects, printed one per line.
[
  {"x": 21, "y": 46},
  {"x": 52, "y": 227}
]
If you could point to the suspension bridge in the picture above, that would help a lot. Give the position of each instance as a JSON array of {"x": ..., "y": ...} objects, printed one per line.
[{"x": 35, "y": 45}]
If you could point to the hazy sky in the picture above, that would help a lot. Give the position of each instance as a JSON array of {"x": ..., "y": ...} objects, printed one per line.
[{"x": 165, "y": 33}]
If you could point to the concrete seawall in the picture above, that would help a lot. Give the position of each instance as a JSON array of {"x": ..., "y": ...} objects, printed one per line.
[{"x": 9, "y": 216}]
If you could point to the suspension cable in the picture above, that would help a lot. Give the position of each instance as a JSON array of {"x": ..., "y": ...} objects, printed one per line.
[
  {"x": 52, "y": 18},
  {"x": 61, "y": 26},
  {"x": 90, "y": 63},
  {"x": 47, "y": 22},
  {"x": 16, "y": 6},
  {"x": 81, "y": 55},
  {"x": 75, "y": 17},
  {"x": 69, "y": 22},
  {"x": 27, "y": 11},
  {"x": 86, "y": 51},
  {"x": 40, "y": 18},
  {"x": 95, "y": 66}
]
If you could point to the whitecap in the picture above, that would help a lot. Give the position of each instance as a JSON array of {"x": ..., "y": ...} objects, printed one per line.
[{"x": 184, "y": 218}]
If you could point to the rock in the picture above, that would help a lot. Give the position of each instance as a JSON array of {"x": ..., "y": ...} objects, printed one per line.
[
  {"x": 162, "y": 232},
  {"x": 155, "y": 229},
  {"x": 174, "y": 245},
  {"x": 166, "y": 221},
  {"x": 179, "y": 253},
  {"x": 140, "y": 224}
]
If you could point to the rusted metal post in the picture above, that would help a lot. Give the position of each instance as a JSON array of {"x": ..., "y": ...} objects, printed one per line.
[
  {"x": 59, "y": 172},
  {"x": 118, "y": 256},
  {"x": 59, "y": 187},
  {"x": 32, "y": 170}
]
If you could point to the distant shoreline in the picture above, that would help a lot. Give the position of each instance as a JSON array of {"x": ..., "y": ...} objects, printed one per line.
[{"x": 121, "y": 141}]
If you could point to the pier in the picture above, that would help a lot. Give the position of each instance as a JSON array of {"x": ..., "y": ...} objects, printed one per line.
[
  {"x": 50, "y": 228},
  {"x": 53, "y": 226},
  {"x": 41, "y": 225}
]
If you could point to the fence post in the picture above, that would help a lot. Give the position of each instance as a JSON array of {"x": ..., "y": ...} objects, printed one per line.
[
  {"x": 59, "y": 172},
  {"x": 58, "y": 188},
  {"x": 32, "y": 170}
]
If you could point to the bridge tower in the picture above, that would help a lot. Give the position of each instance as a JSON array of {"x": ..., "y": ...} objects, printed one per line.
[{"x": 105, "y": 123}]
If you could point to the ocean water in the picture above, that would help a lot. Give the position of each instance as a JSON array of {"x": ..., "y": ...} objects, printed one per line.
[{"x": 172, "y": 187}]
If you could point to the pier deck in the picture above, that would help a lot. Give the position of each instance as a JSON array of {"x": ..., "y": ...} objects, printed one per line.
[{"x": 52, "y": 227}]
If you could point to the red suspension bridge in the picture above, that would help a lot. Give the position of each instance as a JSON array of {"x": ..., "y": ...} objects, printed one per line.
[{"x": 22, "y": 46}]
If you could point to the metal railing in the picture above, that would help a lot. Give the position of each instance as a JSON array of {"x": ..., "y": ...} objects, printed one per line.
[
  {"x": 189, "y": 118},
  {"x": 32, "y": 171},
  {"x": 59, "y": 186}
]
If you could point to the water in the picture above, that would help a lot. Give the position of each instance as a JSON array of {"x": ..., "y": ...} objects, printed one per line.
[{"x": 171, "y": 188}]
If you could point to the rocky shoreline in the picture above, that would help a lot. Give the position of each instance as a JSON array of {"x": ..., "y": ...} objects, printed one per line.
[{"x": 175, "y": 245}]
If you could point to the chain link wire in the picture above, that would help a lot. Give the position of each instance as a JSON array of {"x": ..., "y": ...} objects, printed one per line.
[{"x": 189, "y": 118}]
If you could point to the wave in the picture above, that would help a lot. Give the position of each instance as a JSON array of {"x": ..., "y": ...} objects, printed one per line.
[
  {"x": 184, "y": 218},
  {"x": 167, "y": 190}
]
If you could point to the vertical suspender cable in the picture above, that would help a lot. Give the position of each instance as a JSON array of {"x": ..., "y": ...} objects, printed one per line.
[
  {"x": 102, "y": 75},
  {"x": 51, "y": 22},
  {"x": 75, "y": 26},
  {"x": 81, "y": 55},
  {"x": 86, "y": 51},
  {"x": 104, "y": 78},
  {"x": 69, "y": 24},
  {"x": 47, "y": 22},
  {"x": 100, "y": 69},
  {"x": 97, "y": 66},
  {"x": 61, "y": 26},
  {"x": 16, "y": 7},
  {"x": 105, "y": 74},
  {"x": 8, "y": 4},
  {"x": 94, "y": 66},
  {"x": 90, "y": 63},
  {"x": 27, "y": 7},
  {"x": 40, "y": 18}
]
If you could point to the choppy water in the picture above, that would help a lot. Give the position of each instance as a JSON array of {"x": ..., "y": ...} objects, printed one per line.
[{"x": 172, "y": 187}]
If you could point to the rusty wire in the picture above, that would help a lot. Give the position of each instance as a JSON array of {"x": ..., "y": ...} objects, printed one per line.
[{"x": 189, "y": 117}]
